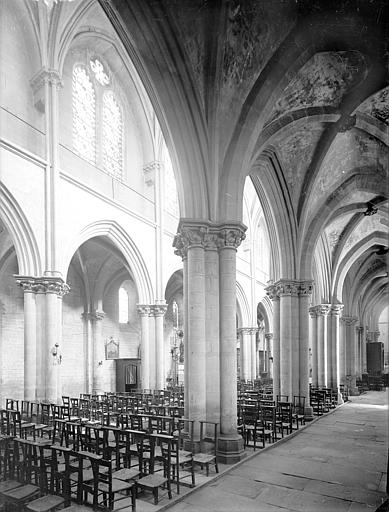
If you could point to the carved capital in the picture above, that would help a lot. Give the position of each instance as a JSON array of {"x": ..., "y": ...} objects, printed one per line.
[
  {"x": 271, "y": 292},
  {"x": 143, "y": 309},
  {"x": 244, "y": 330},
  {"x": 323, "y": 309},
  {"x": 269, "y": 335},
  {"x": 150, "y": 170},
  {"x": 336, "y": 309},
  {"x": 230, "y": 236},
  {"x": 305, "y": 287},
  {"x": 43, "y": 285},
  {"x": 349, "y": 320},
  {"x": 28, "y": 285},
  {"x": 190, "y": 234},
  {"x": 158, "y": 309},
  {"x": 97, "y": 315},
  {"x": 287, "y": 287},
  {"x": 38, "y": 82}
]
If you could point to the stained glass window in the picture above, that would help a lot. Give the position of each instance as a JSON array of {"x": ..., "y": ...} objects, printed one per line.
[
  {"x": 99, "y": 71},
  {"x": 84, "y": 114},
  {"x": 112, "y": 135}
]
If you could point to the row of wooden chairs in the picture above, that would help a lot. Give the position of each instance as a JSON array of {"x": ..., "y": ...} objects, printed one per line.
[{"x": 322, "y": 399}]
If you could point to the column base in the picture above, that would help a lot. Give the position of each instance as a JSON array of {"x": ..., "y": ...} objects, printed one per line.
[
  {"x": 308, "y": 413},
  {"x": 340, "y": 398},
  {"x": 353, "y": 391},
  {"x": 230, "y": 449}
]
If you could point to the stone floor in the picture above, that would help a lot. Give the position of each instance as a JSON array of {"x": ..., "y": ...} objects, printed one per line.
[{"x": 338, "y": 462}]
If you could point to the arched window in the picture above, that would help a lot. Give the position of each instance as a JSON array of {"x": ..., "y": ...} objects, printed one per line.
[
  {"x": 84, "y": 115},
  {"x": 97, "y": 118},
  {"x": 123, "y": 305},
  {"x": 112, "y": 135}
]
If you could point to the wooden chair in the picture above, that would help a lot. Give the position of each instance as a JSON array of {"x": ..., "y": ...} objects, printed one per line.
[
  {"x": 105, "y": 490},
  {"x": 17, "y": 495},
  {"x": 181, "y": 459},
  {"x": 284, "y": 414},
  {"x": 208, "y": 447},
  {"x": 299, "y": 410},
  {"x": 160, "y": 467},
  {"x": 253, "y": 427},
  {"x": 18, "y": 428}
]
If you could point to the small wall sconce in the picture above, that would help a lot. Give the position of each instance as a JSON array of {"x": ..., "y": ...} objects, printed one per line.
[
  {"x": 271, "y": 359},
  {"x": 100, "y": 363},
  {"x": 56, "y": 355}
]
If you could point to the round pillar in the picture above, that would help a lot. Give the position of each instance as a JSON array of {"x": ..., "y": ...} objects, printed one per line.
[
  {"x": 144, "y": 312},
  {"x": 98, "y": 352},
  {"x": 30, "y": 344},
  {"x": 305, "y": 290},
  {"x": 159, "y": 311},
  {"x": 271, "y": 291},
  {"x": 230, "y": 447},
  {"x": 313, "y": 345}
]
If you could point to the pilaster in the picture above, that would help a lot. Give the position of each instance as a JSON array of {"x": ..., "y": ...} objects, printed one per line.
[{"x": 337, "y": 351}]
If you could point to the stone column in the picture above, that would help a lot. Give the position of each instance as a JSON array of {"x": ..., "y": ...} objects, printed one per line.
[
  {"x": 144, "y": 312},
  {"x": 305, "y": 290},
  {"x": 54, "y": 288},
  {"x": 245, "y": 349},
  {"x": 212, "y": 331},
  {"x": 269, "y": 339},
  {"x": 289, "y": 336},
  {"x": 97, "y": 318},
  {"x": 230, "y": 443},
  {"x": 337, "y": 354},
  {"x": 30, "y": 345},
  {"x": 322, "y": 334},
  {"x": 159, "y": 311},
  {"x": 351, "y": 352},
  {"x": 314, "y": 348},
  {"x": 253, "y": 346},
  {"x": 271, "y": 291},
  {"x": 189, "y": 244},
  {"x": 88, "y": 351},
  {"x": 360, "y": 330}
]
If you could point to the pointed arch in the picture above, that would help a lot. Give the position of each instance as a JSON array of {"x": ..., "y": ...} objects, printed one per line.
[
  {"x": 26, "y": 247},
  {"x": 120, "y": 238},
  {"x": 244, "y": 307}
]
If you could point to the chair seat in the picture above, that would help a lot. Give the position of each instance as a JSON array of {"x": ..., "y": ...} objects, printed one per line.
[
  {"x": 7, "y": 485},
  {"x": 151, "y": 481},
  {"x": 203, "y": 458},
  {"x": 45, "y": 503},
  {"x": 21, "y": 493},
  {"x": 126, "y": 473},
  {"x": 78, "y": 508},
  {"x": 117, "y": 485}
]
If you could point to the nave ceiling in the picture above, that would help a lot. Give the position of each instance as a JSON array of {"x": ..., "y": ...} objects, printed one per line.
[{"x": 294, "y": 92}]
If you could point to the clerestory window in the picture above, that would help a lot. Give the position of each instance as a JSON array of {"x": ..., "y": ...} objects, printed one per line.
[{"x": 97, "y": 118}]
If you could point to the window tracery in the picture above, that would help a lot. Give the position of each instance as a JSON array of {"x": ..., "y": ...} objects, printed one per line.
[
  {"x": 84, "y": 114},
  {"x": 97, "y": 118}
]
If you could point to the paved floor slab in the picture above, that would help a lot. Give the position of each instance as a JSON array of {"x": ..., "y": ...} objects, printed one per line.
[{"x": 337, "y": 463}]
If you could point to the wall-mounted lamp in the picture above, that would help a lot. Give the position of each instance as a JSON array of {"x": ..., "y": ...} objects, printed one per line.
[
  {"x": 57, "y": 357},
  {"x": 100, "y": 363},
  {"x": 271, "y": 359}
]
